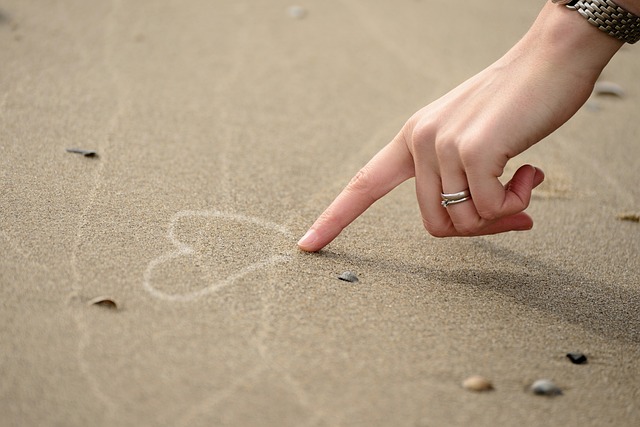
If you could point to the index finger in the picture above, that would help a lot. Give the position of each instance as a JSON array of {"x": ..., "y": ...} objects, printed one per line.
[{"x": 385, "y": 171}]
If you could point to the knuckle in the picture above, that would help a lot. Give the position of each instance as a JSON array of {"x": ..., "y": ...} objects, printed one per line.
[
  {"x": 458, "y": 149},
  {"x": 470, "y": 152},
  {"x": 436, "y": 230},
  {"x": 362, "y": 181},
  {"x": 446, "y": 148},
  {"x": 466, "y": 229},
  {"x": 440, "y": 234},
  {"x": 489, "y": 213},
  {"x": 421, "y": 133},
  {"x": 363, "y": 184}
]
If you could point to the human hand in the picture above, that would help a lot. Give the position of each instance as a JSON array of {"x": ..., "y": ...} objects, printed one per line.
[{"x": 465, "y": 139}]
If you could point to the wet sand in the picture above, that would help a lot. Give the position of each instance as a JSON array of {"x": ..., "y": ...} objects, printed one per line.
[{"x": 222, "y": 129}]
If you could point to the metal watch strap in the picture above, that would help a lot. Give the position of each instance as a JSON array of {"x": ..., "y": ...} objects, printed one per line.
[{"x": 608, "y": 17}]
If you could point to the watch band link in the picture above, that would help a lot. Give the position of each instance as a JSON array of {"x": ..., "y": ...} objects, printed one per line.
[{"x": 608, "y": 17}]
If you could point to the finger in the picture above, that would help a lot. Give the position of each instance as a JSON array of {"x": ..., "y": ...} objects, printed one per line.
[
  {"x": 428, "y": 188},
  {"x": 494, "y": 200},
  {"x": 538, "y": 179},
  {"x": 464, "y": 216},
  {"x": 519, "y": 221},
  {"x": 468, "y": 222},
  {"x": 385, "y": 171}
]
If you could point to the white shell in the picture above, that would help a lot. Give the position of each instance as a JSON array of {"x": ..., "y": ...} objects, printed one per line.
[
  {"x": 608, "y": 88},
  {"x": 297, "y": 12},
  {"x": 545, "y": 388},
  {"x": 348, "y": 276}
]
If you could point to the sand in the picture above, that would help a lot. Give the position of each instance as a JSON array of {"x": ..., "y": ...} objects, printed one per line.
[{"x": 222, "y": 130}]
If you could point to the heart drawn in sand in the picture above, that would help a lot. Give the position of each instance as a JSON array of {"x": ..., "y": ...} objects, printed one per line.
[{"x": 182, "y": 249}]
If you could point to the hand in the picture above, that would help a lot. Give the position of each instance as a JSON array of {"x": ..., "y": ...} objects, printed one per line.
[{"x": 465, "y": 139}]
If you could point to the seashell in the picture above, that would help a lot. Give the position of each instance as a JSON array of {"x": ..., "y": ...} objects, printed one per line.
[
  {"x": 348, "y": 276},
  {"x": 577, "y": 358},
  {"x": 477, "y": 383},
  {"x": 297, "y": 12},
  {"x": 608, "y": 88},
  {"x": 629, "y": 217},
  {"x": 86, "y": 153},
  {"x": 545, "y": 388},
  {"x": 103, "y": 301}
]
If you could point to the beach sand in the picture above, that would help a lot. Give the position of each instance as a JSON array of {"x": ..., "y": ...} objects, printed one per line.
[{"x": 222, "y": 130}]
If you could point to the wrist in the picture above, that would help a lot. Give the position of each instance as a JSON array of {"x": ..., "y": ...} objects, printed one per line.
[{"x": 564, "y": 40}]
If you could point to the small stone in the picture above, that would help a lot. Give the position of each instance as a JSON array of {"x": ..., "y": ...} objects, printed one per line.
[
  {"x": 297, "y": 12},
  {"x": 477, "y": 383},
  {"x": 629, "y": 217},
  {"x": 104, "y": 302},
  {"x": 608, "y": 88},
  {"x": 545, "y": 388},
  {"x": 86, "y": 153},
  {"x": 577, "y": 358},
  {"x": 348, "y": 276}
]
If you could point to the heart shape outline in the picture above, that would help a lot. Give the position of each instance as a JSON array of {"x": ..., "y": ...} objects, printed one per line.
[{"x": 182, "y": 249}]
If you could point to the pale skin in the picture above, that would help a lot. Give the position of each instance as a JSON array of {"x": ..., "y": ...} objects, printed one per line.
[{"x": 465, "y": 138}]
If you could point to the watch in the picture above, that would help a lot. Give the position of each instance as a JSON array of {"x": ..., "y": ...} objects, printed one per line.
[{"x": 608, "y": 17}]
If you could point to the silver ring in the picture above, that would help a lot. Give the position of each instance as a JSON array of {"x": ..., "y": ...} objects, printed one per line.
[
  {"x": 453, "y": 198},
  {"x": 446, "y": 203}
]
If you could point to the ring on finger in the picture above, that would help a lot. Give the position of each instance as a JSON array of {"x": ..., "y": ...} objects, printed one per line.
[
  {"x": 446, "y": 203},
  {"x": 453, "y": 198}
]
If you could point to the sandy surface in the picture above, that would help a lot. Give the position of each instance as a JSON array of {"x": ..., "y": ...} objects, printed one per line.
[{"x": 223, "y": 129}]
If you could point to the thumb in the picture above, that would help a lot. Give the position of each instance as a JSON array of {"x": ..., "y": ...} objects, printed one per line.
[{"x": 519, "y": 188}]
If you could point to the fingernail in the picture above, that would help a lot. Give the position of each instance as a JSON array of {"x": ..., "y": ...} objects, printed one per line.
[{"x": 308, "y": 239}]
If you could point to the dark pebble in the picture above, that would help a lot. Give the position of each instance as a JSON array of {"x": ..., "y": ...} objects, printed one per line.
[
  {"x": 348, "y": 276},
  {"x": 86, "y": 153},
  {"x": 577, "y": 358},
  {"x": 104, "y": 302}
]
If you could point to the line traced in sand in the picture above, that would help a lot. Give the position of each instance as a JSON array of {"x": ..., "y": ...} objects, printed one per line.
[{"x": 84, "y": 333}]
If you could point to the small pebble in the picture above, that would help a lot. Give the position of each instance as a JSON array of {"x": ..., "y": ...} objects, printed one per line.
[
  {"x": 105, "y": 302},
  {"x": 545, "y": 388},
  {"x": 629, "y": 217},
  {"x": 608, "y": 88},
  {"x": 477, "y": 383},
  {"x": 577, "y": 358},
  {"x": 297, "y": 12},
  {"x": 86, "y": 153},
  {"x": 348, "y": 276}
]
